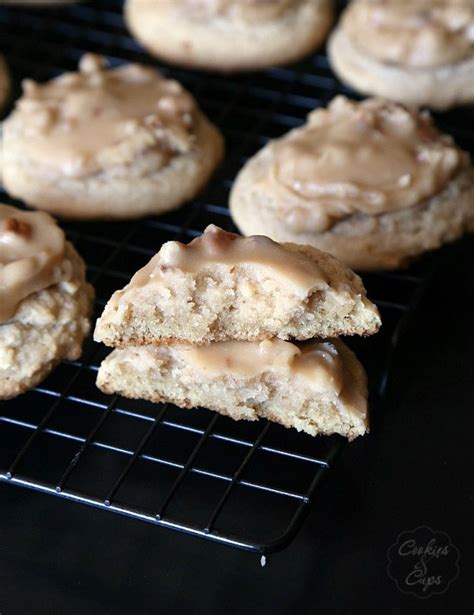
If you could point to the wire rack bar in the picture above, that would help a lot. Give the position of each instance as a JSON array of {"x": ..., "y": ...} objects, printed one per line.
[
  {"x": 237, "y": 475},
  {"x": 135, "y": 456}
]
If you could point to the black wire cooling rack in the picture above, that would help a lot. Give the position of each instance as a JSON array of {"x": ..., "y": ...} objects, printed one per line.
[{"x": 243, "y": 484}]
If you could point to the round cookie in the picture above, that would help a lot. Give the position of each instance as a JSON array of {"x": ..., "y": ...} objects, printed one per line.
[
  {"x": 45, "y": 301},
  {"x": 372, "y": 183},
  {"x": 107, "y": 143},
  {"x": 417, "y": 52},
  {"x": 226, "y": 35}
]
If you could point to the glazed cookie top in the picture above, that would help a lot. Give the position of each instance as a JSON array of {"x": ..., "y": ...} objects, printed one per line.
[
  {"x": 416, "y": 33},
  {"x": 316, "y": 363},
  {"x": 217, "y": 247},
  {"x": 371, "y": 157},
  {"x": 99, "y": 119},
  {"x": 31, "y": 249},
  {"x": 240, "y": 10}
]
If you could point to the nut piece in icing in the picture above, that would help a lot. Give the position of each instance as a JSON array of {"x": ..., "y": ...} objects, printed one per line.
[
  {"x": 315, "y": 387},
  {"x": 45, "y": 301},
  {"x": 418, "y": 52},
  {"x": 373, "y": 183},
  {"x": 227, "y": 35},
  {"x": 222, "y": 286},
  {"x": 78, "y": 144}
]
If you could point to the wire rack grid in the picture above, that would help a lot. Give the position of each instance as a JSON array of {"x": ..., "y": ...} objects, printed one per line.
[{"x": 247, "y": 485}]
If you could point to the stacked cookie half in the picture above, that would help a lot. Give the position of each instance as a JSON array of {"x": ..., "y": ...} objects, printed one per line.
[{"x": 209, "y": 324}]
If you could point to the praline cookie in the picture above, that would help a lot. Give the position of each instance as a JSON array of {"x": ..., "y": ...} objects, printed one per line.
[
  {"x": 230, "y": 35},
  {"x": 417, "y": 52},
  {"x": 318, "y": 387},
  {"x": 225, "y": 287},
  {"x": 45, "y": 301},
  {"x": 373, "y": 183},
  {"x": 107, "y": 143}
]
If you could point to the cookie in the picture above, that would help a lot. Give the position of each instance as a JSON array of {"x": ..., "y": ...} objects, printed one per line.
[
  {"x": 315, "y": 387},
  {"x": 373, "y": 183},
  {"x": 45, "y": 301},
  {"x": 225, "y": 287},
  {"x": 226, "y": 35},
  {"x": 107, "y": 143},
  {"x": 419, "y": 52}
]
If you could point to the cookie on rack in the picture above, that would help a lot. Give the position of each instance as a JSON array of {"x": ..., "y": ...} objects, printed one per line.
[
  {"x": 417, "y": 52},
  {"x": 372, "y": 182},
  {"x": 318, "y": 387},
  {"x": 207, "y": 323},
  {"x": 222, "y": 286},
  {"x": 45, "y": 301},
  {"x": 108, "y": 143},
  {"x": 230, "y": 35}
]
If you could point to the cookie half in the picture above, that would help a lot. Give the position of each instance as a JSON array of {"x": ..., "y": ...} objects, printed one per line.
[
  {"x": 225, "y": 35},
  {"x": 373, "y": 183},
  {"x": 418, "y": 53},
  {"x": 315, "y": 387},
  {"x": 45, "y": 301},
  {"x": 225, "y": 287},
  {"x": 108, "y": 143}
]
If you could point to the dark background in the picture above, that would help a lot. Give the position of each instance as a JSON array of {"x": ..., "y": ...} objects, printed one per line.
[{"x": 415, "y": 468}]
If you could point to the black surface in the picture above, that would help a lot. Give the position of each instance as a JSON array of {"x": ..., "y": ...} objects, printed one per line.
[{"x": 415, "y": 468}]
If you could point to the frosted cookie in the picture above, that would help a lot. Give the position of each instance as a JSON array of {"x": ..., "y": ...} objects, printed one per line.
[
  {"x": 222, "y": 287},
  {"x": 230, "y": 35},
  {"x": 418, "y": 52},
  {"x": 37, "y": 3},
  {"x": 373, "y": 183},
  {"x": 316, "y": 387},
  {"x": 4, "y": 83},
  {"x": 45, "y": 302},
  {"x": 107, "y": 143}
]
